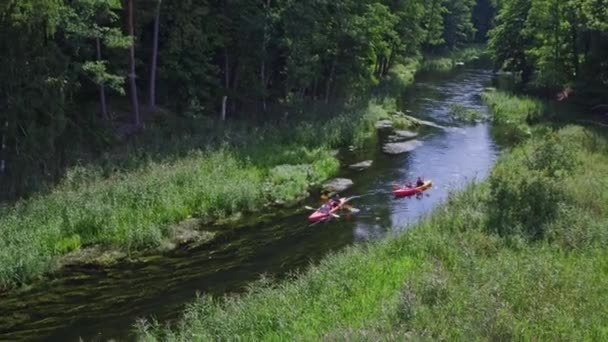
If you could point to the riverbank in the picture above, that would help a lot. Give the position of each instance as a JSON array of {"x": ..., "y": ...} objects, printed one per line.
[
  {"x": 137, "y": 200},
  {"x": 520, "y": 255}
]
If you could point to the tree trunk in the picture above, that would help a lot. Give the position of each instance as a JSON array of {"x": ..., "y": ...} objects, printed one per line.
[
  {"x": 152, "y": 99},
  {"x": 575, "y": 52},
  {"x": 3, "y": 148},
  {"x": 235, "y": 86},
  {"x": 134, "y": 98},
  {"x": 226, "y": 69},
  {"x": 102, "y": 88},
  {"x": 223, "y": 114},
  {"x": 330, "y": 79},
  {"x": 264, "y": 85}
]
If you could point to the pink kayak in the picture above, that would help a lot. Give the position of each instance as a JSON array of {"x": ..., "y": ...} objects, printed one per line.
[
  {"x": 405, "y": 191},
  {"x": 325, "y": 213}
]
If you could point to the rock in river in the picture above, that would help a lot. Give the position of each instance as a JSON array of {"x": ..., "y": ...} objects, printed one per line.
[
  {"x": 402, "y": 136},
  {"x": 402, "y": 147},
  {"x": 362, "y": 165},
  {"x": 338, "y": 185},
  {"x": 384, "y": 124}
]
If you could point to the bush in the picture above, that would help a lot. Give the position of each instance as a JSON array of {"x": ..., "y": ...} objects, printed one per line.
[
  {"x": 512, "y": 115},
  {"x": 526, "y": 188}
]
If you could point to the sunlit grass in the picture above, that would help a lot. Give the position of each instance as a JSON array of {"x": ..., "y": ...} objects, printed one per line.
[
  {"x": 512, "y": 115},
  {"x": 452, "y": 276},
  {"x": 133, "y": 202}
]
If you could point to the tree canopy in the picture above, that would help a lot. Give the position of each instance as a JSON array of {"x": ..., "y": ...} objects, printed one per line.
[{"x": 552, "y": 43}]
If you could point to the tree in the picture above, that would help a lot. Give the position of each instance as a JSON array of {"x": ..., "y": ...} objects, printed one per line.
[
  {"x": 509, "y": 41},
  {"x": 132, "y": 75},
  {"x": 154, "y": 62},
  {"x": 458, "y": 24},
  {"x": 93, "y": 20}
]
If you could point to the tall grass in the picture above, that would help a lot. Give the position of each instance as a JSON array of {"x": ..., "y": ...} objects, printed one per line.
[
  {"x": 512, "y": 116},
  {"x": 447, "y": 62},
  {"x": 132, "y": 203},
  {"x": 453, "y": 276}
]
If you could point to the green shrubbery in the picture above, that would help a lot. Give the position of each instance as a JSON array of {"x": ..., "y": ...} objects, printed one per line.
[
  {"x": 527, "y": 187},
  {"x": 461, "y": 113},
  {"x": 521, "y": 256},
  {"x": 243, "y": 170},
  {"x": 512, "y": 115}
]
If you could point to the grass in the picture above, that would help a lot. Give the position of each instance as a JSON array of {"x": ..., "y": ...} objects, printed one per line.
[
  {"x": 464, "y": 114},
  {"x": 512, "y": 115},
  {"x": 455, "y": 275},
  {"x": 446, "y": 62},
  {"x": 179, "y": 168}
]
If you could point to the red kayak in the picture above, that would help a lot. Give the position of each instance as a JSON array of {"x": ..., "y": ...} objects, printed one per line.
[
  {"x": 405, "y": 191},
  {"x": 326, "y": 212}
]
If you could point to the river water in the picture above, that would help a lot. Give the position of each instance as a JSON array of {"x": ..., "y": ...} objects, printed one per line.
[{"x": 104, "y": 303}]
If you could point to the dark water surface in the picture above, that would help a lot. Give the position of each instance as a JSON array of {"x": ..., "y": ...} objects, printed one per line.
[{"x": 104, "y": 303}]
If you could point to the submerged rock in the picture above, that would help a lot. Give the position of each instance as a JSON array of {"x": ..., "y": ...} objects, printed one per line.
[
  {"x": 338, "y": 185},
  {"x": 402, "y": 136},
  {"x": 424, "y": 123},
  {"x": 364, "y": 165},
  {"x": 384, "y": 124},
  {"x": 401, "y": 147}
]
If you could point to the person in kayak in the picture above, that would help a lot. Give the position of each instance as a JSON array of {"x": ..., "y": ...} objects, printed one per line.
[
  {"x": 419, "y": 182},
  {"x": 325, "y": 208},
  {"x": 334, "y": 201}
]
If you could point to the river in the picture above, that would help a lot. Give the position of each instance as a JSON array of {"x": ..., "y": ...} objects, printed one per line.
[{"x": 104, "y": 303}]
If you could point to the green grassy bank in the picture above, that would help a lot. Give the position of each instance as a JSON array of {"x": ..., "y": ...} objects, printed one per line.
[
  {"x": 135, "y": 209},
  {"x": 133, "y": 199},
  {"x": 519, "y": 256}
]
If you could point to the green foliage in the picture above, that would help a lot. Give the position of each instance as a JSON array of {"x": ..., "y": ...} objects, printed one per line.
[
  {"x": 447, "y": 62},
  {"x": 552, "y": 42},
  {"x": 511, "y": 115},
  {"x": 448, "y": 277},
  {"x": 461, "y": 113}
]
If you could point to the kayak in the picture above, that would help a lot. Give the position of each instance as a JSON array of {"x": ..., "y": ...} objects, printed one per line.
[
  {"x": 321, "y": 214},
  {"x": 404, "y": 192}
]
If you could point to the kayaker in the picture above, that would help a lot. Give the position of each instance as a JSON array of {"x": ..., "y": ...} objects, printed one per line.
[
  {"x": 325, "y": 208},
  {"x": 334, "y": 201},
  {"x": 419, "y": 182}
]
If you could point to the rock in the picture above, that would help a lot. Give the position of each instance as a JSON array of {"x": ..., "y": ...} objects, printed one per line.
[
  {"x": 338, "y": 185},
  {"x": 334, "y": 153},
  {"x": 384, "y": 124},
  {"x": 402, "y": 147},
  {"x": 459, "y": 64},
  {"x": 424, "y": 123},
  {"x": 362, "y": 165},
  {"x": 402, "y": 136}
]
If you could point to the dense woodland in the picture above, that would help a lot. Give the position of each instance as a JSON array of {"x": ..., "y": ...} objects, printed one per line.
[
  {"x": 76, "y": 70},
  {"x": 553, "y": 43},
  {"x": 76, "y": 74}
]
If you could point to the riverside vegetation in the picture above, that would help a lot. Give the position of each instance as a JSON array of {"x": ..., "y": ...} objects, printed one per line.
[
  {"x": 84, "y": 163},
  {"x": 518, "y": 256}
]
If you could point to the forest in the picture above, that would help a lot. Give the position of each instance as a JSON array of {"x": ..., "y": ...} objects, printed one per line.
[
  {"x": 79, "y": 74},
  {"x": 135, "y": 130},
  {"x": 85, "y": 73}
]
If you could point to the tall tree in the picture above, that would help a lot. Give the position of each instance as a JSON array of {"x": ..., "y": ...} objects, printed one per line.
[
  {"x": 509, "y": 40},
  {"x": 132, "y": 75},
  {"x": 154, "y": 61}
]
